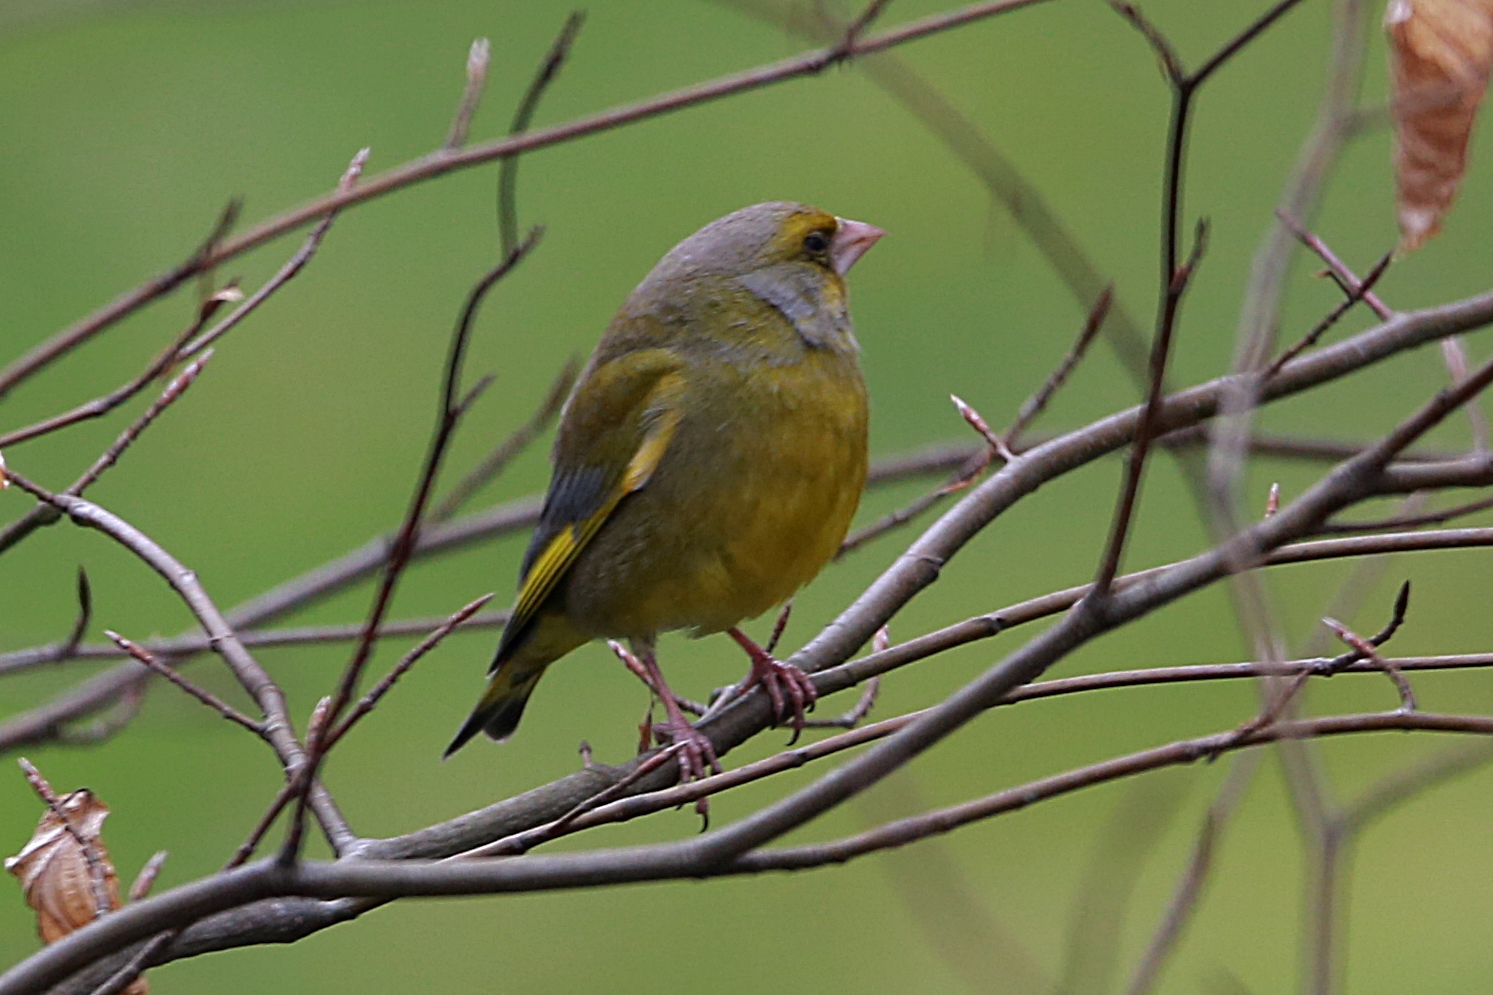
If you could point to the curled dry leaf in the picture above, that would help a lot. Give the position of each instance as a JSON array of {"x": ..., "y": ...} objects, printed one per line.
[
  {"x": 65, "y": 885},
  {"x": 1440, "y": 54}
]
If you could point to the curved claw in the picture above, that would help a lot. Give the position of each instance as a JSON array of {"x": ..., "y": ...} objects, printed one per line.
[
  {"x": 697, "y": 759},
  {"x": 789, "y": 688}
]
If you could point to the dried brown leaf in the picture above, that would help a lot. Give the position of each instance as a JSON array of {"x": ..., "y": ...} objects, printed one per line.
[
  {"x": 1440, "y": 54},
  {"x": 65, "y": 884},
  {"x": 56, "y": 874}
]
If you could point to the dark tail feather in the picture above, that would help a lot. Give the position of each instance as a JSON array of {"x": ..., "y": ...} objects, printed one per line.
[{"x": 501, "y": 707}]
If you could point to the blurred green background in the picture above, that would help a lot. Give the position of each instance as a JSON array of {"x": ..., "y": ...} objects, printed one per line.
[{"x": 125, "y": 126}]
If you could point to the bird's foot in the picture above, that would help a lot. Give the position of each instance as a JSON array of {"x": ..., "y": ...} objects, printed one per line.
[
  {"x": 697, "y": 759},
  {"x": 791, "y": 691}
]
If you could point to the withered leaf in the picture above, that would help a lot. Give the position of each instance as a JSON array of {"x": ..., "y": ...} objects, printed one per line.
[
  {"x": 1440, "y": 54},
  {"x": 64, "y": 884},
  {"x": 55, "y": 873}
]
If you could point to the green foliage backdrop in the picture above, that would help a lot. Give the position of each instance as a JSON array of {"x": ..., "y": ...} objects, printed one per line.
[{"x": 126, "y": 126}]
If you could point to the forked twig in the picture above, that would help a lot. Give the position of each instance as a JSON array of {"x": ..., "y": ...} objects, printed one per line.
[{"x": 204, "y": 257}]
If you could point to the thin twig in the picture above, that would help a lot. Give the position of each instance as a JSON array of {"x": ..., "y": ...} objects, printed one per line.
[
  {"x": 1454, "y": 353},
  {"x": 1402, "y": 785},
  {"x": 1336, "y": 266},
  {"x": 478, "y": 58},
  {"x": 523, "y": 116},
  {"x": 1355, "y": 295},
  {"x": 180, "y": 647},
  {"x": 1034, "y": 405},
  {"x": 285, "y": 273},
  {"x": 857, "y": 713},
  {"x": 201, "y": 694},
  {"x": 1189, "y": 889},
  {"x": 265, "y": 692},
  {"x": 1407, "y": 521},
  {"x": 203, "y": 258},
  {"x": 100, "y": 406},
  {"x": 1369, "y": 650},
  {"x": 451, "y": 409},
  {"x": 505, "y": 452},
  {"x": 46, "y": 514},
  {"x": 430, "y": 642},
  {"x": 443, "y": 161}
]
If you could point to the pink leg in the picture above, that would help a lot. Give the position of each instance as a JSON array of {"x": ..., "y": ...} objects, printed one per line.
[
  {"x": 696, "y": 753},
  {"x": 787, "y": 686}
]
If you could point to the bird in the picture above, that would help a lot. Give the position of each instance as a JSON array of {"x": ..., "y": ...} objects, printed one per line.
[{"x": 707, "y": 463}]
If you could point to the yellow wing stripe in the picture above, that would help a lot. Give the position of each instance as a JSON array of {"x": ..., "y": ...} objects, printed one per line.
[
  {"x": 567, "y": 544},
  {"x": 647, "y": 458},
  {"x": 551, "y": 565}
]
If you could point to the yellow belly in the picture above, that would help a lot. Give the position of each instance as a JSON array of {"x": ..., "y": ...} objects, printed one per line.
[{"x": 754, "y": 496}]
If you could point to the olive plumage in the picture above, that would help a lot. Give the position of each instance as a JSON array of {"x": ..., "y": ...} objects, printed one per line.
[{"x": 709, "y": 459}]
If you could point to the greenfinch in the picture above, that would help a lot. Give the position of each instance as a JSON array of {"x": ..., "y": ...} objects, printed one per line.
[{"x": 707, "y": 464}]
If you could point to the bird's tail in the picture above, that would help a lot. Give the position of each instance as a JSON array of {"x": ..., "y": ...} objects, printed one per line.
[
  {"x": 501, "y": 706},
  {"x": 517, "y": 668}
]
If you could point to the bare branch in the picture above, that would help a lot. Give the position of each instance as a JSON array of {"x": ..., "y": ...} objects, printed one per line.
[
  {"x": 100, "y": 406},
  {"x": 503, "y": 454},
  {"x": 451, "y": 410},
  {"x": 430, "y": 642},
  {"x": 265, "y": 692},
  {"x": 285, "y": 273},
  {"x": 1336, "y": 267},
  {"x": 1355, "y": 295},
  {"x": 523, "y": 116},
  {"x": 46, "y": 514},
  {"x": 1034, "y": 405},
  {"x": 204, "y": 258},
  {"x": 201, "y": 694}
]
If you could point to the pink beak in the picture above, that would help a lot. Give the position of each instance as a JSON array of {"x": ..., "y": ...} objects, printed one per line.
[{"x": 851, "y": 241}]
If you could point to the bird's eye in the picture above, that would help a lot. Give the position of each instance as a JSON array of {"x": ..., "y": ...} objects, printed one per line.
[{"x": 816, "y": 242}]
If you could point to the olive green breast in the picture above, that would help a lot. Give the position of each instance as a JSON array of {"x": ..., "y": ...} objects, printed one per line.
[{"x": 753, "y": 496}]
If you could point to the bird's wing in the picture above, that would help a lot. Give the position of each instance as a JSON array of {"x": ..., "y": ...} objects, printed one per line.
[{"x": 614, "y": 431}]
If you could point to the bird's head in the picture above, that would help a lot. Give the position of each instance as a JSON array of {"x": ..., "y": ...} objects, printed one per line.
[{"x": 791, "y": 256}]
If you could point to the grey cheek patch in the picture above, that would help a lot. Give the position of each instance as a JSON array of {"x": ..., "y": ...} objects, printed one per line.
[{"x": 794, "y": 293}]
